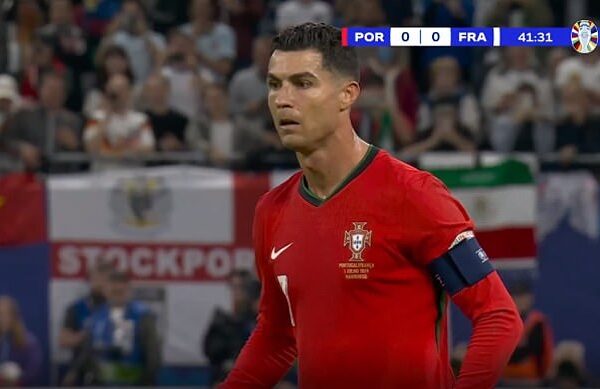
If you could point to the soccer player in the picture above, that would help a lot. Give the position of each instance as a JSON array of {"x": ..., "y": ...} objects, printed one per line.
[{"x": 358, "y": 251}]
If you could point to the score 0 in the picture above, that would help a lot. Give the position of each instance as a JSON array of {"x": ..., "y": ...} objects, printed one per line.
[{"x": 420, "y": 36}]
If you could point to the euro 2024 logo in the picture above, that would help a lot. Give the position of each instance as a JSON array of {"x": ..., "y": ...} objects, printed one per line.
[{"x": 584, "y": 36}]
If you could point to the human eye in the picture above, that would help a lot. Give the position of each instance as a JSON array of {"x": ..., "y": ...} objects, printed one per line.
[
  {"x": 305, "y": 84},
  {"x": 273, "y": 84}
]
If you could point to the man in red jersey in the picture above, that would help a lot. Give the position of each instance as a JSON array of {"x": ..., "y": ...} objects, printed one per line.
[{"x": 358, "y": 251}]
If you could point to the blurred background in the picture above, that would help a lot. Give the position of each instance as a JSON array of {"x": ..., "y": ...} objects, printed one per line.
[{"x": 135, "y": 140}]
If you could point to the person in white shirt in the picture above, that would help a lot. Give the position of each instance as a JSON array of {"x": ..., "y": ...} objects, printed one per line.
[
  {"x": 117, "y": 130},
  {"x": 215, "y": 41},
  {"x": 144, "y": 47}
]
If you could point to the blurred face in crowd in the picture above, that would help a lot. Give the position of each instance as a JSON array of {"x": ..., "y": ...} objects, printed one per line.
[
  {"x": 52, "y": 92},
  {"x": 216, "y": 101},
  {"x": 445, "y": 75},
  {"x": 156, "y": 91},
  {"x": 261, "y": 53},
  {"x": 118, "y": 293},
  {"x": 302, "y": 97},
  {"x": 7, "y": 314},
  {"x": 202, "y": 10},
  {"x": 98, "y": 281},
  {"x": 115, "y": 63},
  {"x": 43, "y": 53},
  {"x": 61, "y": 11},
  {"x": 118, "y": 92},
  {"x": 133, "y": 17},
  {"x": 519, "y": 58}
]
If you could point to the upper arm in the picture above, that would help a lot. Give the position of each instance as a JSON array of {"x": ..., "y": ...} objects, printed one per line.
[{"x": 435, "y": 218}]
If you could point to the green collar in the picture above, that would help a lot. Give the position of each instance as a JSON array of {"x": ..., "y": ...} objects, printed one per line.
[{"x": 315, "y": 200}]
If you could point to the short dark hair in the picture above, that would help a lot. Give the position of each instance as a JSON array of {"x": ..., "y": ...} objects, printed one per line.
[{"x": 325, "y": 39}]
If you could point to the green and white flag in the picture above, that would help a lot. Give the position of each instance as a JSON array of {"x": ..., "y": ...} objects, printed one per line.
[{"x": 501, "y": 199}]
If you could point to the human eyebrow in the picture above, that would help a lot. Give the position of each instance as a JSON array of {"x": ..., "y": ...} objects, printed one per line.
[{"x": 303, "y": 75}]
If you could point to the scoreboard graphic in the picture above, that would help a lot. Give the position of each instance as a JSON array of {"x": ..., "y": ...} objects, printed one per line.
[{"x": 583, "y": 36}]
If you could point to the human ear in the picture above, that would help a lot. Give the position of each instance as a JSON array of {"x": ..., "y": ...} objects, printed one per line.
[{"x": 348, "y": 94}]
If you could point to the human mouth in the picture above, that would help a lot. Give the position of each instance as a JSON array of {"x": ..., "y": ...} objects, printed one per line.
[{"x": 288, "y": 124}]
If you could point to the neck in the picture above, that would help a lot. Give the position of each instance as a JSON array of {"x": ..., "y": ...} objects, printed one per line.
[{"x": 326, "y": 167}]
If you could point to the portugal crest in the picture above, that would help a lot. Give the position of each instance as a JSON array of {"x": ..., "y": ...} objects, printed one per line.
[{"x": 357, "y": 240}]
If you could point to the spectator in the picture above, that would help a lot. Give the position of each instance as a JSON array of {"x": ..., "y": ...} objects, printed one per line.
[
  {"x": 569, "y": 366},
  {"x": 293, "y": 12},
  {"x": 132, "y": 32},
  {"x": 445, "y": 84},
  {"x": 21, "y": 34},
  {"x": 445, "y": 134},
  {"x": 97, "y": 16},
  {"x": 185, "y": 76},
  {"x": 36, "y": 134},
  {"x": 118, "y": 130},
  {"x": 228, "y": 331},
  {"x": 73, "y": 334},
  {"x": 70, "y": 46},
  {"x": 20, "y": 353},
  {"x": 393, "y": 64},
  {"x": 111, "y": 60},
  {"x": 9, "y": 98},
  {"x": 244, "y": 17},
  {"x": 584, "y": 69},
  {"x": 44, "y": 60},
  {"x": 448, "y": 13},
  {"x": 520, "y": 13},
  {"x": 579, "y": 130},
  {"x": 531, "y": 361},
  {"x": 376, "y": 116},
  {"x": 168, "y": 125},
  {"x": 361, "y": 13},
  {"x": 518, "y": 104},
  {"x": 248, "y": 100},
  {"x": 217, "y": 135},
  {"x": 123, "y": 346},
  {"x": 215, "y": 42}
]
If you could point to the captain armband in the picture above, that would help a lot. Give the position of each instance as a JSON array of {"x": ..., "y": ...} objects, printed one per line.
[{"x": 463, "y": 265}]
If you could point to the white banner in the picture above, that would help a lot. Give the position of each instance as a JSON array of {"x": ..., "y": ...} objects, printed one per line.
[{"x": 174, "y": 230}]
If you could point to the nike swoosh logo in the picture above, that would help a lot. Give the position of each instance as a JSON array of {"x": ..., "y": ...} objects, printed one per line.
[{"x": 275, "y": 254}]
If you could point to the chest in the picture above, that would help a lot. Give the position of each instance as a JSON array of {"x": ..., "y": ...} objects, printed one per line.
[{"x": 345, "y": 249}]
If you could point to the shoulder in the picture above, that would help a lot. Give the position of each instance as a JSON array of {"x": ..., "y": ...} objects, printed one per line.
[
  {"x": 409, "y": 185},
  {"x": 278, "y": 196}
]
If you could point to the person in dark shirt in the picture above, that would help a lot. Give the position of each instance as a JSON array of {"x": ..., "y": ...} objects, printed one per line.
[
  {"x": 169, "y": 126},
  {"x": 579, "y": 131},
  {"x": 73, "y": 334},
  {"x": 228, "y": 331},
  {"x": 445, "y": 133}
]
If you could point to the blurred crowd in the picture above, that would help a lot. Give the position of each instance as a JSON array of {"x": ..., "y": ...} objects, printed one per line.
[{"x": 117, "y": 82}]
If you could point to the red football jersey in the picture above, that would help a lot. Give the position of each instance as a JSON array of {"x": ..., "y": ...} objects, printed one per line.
[{"x": 346, "y": 288}]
